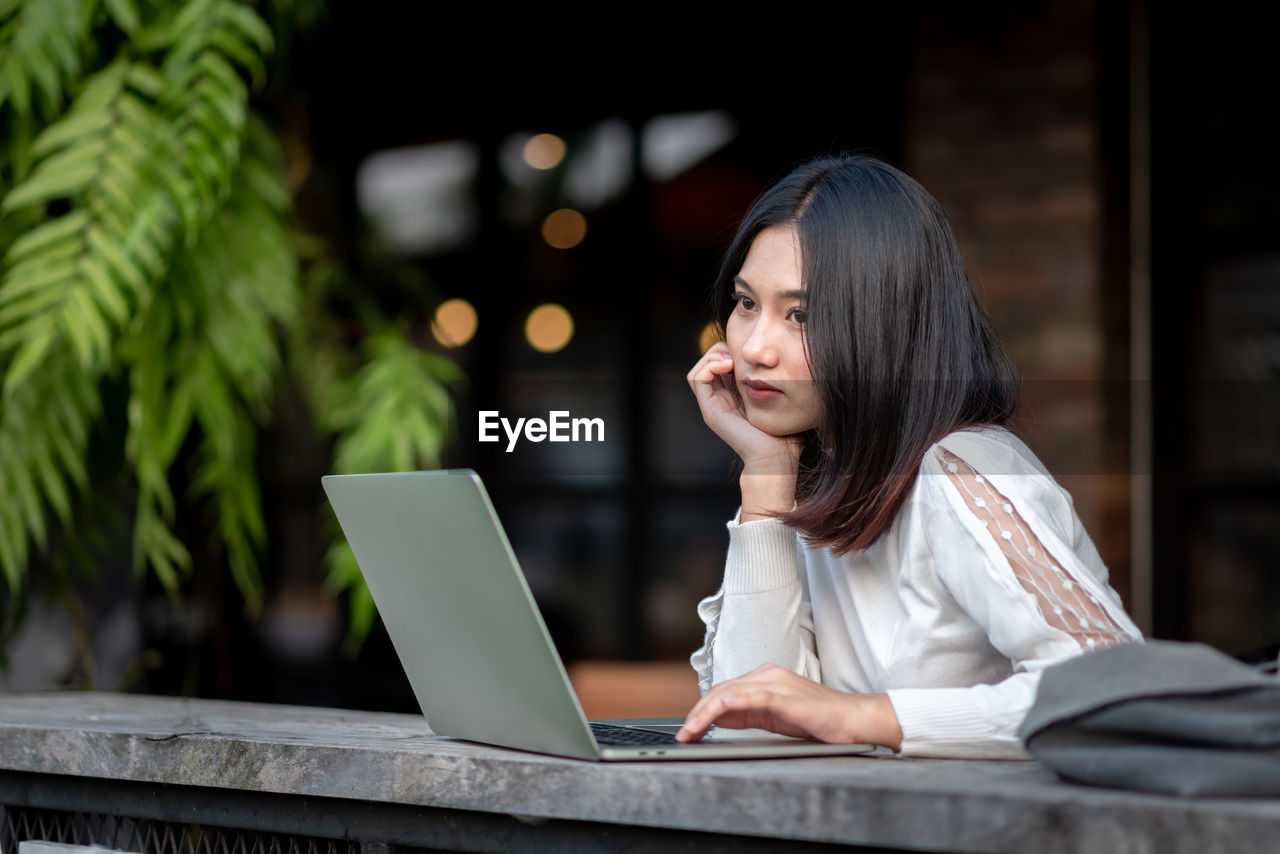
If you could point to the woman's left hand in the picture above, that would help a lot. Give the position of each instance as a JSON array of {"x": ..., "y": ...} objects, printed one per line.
[{"x": 776, "y": 699}]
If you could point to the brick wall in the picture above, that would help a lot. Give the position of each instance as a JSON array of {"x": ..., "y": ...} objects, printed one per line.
[{"x": 1003, "y": 128}]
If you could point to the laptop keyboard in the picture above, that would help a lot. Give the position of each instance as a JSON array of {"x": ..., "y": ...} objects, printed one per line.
[{"x": 622, "y": 735}]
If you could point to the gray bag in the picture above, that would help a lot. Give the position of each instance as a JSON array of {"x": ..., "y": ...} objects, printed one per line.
[{"x": 1165, "y": 717}]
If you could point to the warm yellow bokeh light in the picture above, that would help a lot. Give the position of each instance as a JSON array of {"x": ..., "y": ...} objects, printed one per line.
[
  {"x": 564, "y": 229},
  {"x": 455, "y": 323},
  {"x": 709, "y": 335},
  {"x": 549, "y": 328},
  {"x": 544, "y": 151}
]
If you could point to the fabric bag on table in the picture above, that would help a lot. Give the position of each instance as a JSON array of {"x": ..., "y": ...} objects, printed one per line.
[{"x": 1176, "y": 718}]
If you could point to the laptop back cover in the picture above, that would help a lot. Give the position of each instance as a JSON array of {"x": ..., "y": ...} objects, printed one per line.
[{"x": 458, "y": 610}]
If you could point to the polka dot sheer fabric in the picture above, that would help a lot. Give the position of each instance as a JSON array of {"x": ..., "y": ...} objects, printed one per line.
[{"x": 1063, "y": 602}]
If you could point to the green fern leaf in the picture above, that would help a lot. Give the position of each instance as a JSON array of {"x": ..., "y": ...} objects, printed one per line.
[
  {"x": 44, "y": 74},
  {"x": 116, "y": 260},
  {"x": 86, "y": 122},
  {"x": 52, "y": 484},
  {"x": 145, "y": 80},
  {"x": 70, "y": 444},
  {"x": 30, "y": 303},
  {"x": 56, "y": 183},
  {"x": 241, "y": 53},
  {"x": 11, "y": 561},
  {"x": 80, "y": 309},
  {"x": 192, "y": 16},
  {"x": 45, "y": 40},
  {"x": 217, "y": 303},
  {"x": 125, "y": 14},
  {"x": 21, "y": 489},
  {"x": 113, "y": 184},
  {"x": 90, "y": 268},
  {"x": 36, "y": 276},
  {"x": 47, "y": 234},
  {"x": 104, "y": 290},
  {"x": 76, "y": 332},
  {"x": 149, "y": 238},
  {"x": 16, "y": 90},
  {"x": 44, "y": 429},
  {"x": 155, "y": 546},
  {"x": 207, "y": 100},
  {"x": 54, "y": 254},
  {"x": 246, "y": 22}
]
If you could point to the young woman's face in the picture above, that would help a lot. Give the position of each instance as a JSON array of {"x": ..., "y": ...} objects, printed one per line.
[{"x": 765, "y": 334}]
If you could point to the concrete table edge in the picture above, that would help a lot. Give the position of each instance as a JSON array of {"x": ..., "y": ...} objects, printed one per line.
[{"x": 391, "y": 758}]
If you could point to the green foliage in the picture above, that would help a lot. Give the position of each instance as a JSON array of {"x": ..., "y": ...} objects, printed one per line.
[
  {"x": 45, "y": 43},
  {"x": 205, "y": 354},
  {"x": 145, "y": 245},
  {"x": 392, "y": 415},
  {"x": 79, "y": 277},
  {"x": 44, "y": 438}
]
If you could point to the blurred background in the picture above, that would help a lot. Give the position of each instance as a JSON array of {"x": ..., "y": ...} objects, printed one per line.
[{"x": 366, "y": 222}]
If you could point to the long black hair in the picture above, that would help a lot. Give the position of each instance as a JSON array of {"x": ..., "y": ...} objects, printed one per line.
[{"x": 898, "y": 346}]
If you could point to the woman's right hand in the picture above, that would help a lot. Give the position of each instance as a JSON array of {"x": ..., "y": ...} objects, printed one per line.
[{"x": 712, "y": 381}]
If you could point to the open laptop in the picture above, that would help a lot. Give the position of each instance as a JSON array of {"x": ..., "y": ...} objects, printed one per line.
[{"x": 469, "y": 636}]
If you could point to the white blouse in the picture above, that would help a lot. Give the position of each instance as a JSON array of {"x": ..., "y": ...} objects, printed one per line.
[{"x": 985, "y": 578}]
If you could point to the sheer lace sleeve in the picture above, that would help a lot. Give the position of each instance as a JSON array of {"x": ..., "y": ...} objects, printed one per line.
[
  {"x": 1063, "y": 601},
  {"x": 1007, "y": 546}
]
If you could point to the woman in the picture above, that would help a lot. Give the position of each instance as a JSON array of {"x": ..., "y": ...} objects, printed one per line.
[{"x": 902, "y": 567}]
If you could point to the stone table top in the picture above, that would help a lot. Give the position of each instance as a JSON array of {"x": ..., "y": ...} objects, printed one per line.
[{"x": 926, "y": 804}]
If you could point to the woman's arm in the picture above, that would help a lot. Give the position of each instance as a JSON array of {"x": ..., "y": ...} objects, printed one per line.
[
  {"x": 1007, "y": 547},
  {"x": 766, "y": 492},
  {"x": 1004, "y": 548},
  {"x": 760, "y": 614}
]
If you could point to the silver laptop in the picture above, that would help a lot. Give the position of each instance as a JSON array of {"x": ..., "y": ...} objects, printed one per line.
[{"x": 470, "y": 637}]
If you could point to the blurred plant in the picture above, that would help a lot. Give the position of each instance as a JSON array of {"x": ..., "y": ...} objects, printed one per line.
[{"x": 149, "y": 276}]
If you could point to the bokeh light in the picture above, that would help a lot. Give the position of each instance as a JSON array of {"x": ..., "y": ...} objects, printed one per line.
[
  {"x": 454, "y": 323},
  {"x": 564, "y": 229},
  {"x": 544, "y": 151},
  {"x": 709, "y": 335},
  {"x": 549, "y": 328}
]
